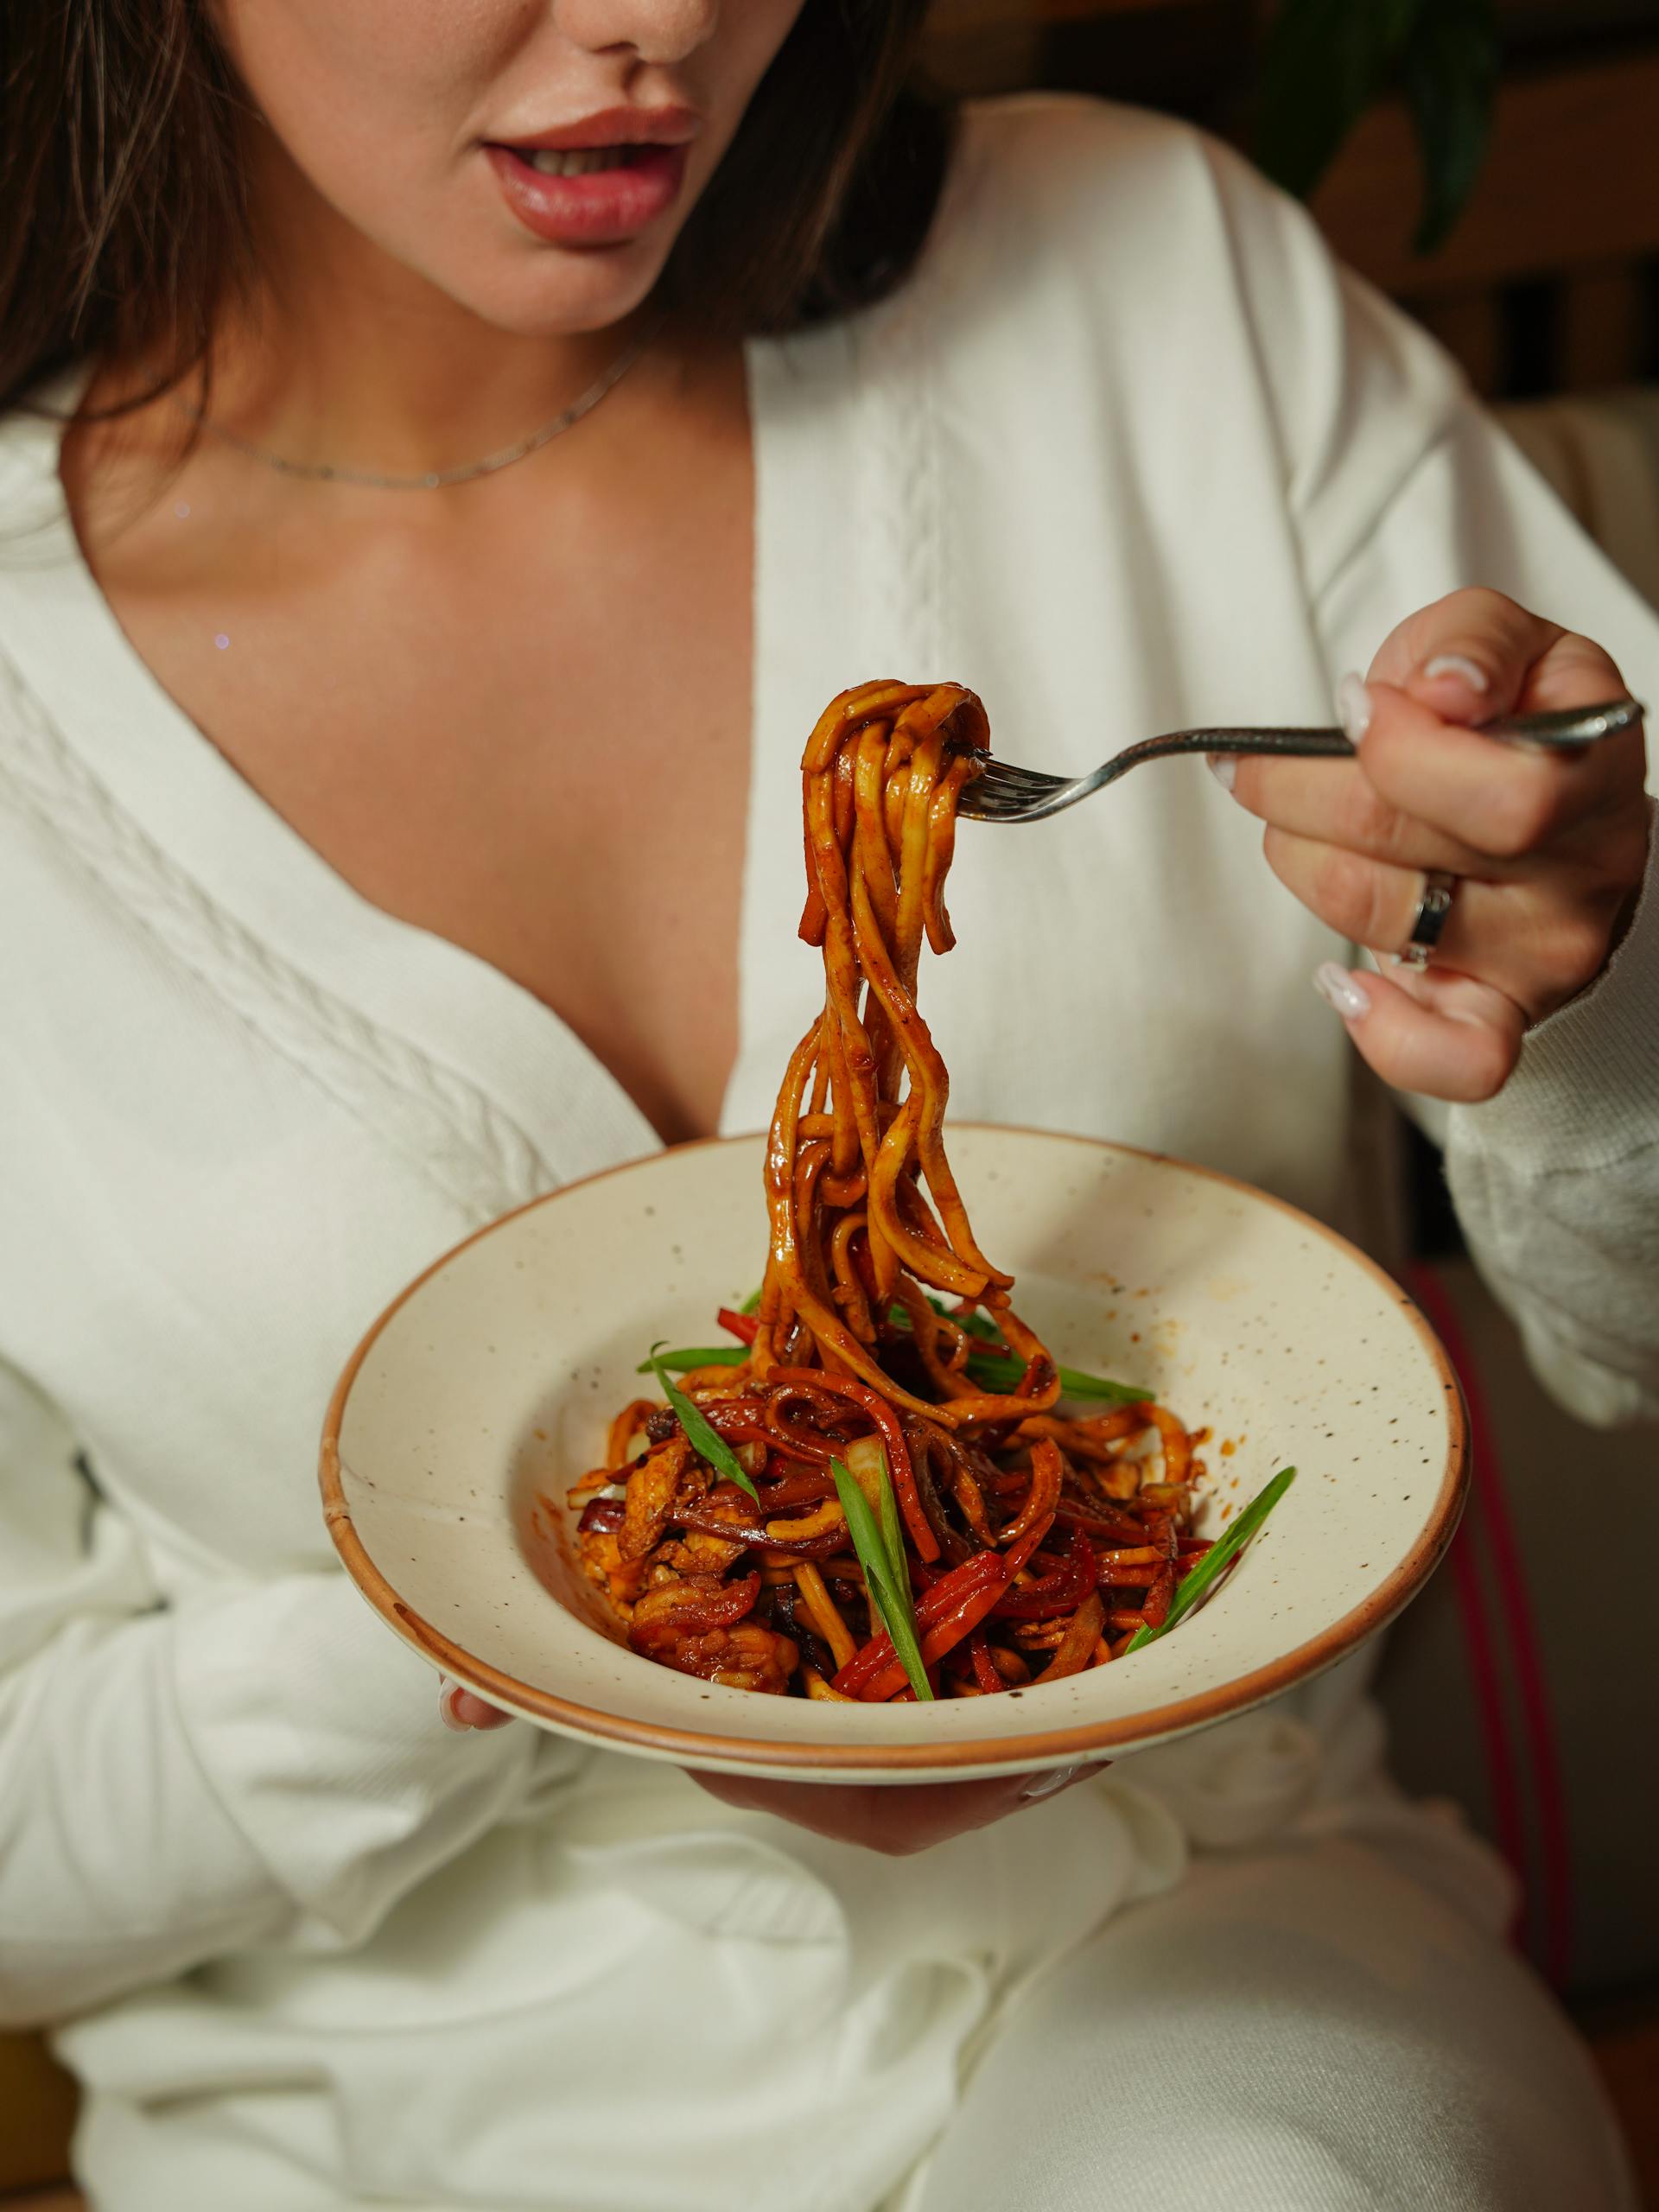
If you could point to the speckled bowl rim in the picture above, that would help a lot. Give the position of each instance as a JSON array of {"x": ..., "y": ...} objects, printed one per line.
[{"x": 1038, "y": 1748}]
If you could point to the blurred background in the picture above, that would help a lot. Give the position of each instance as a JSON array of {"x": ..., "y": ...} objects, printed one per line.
[{"x": 1494, "y": 166}]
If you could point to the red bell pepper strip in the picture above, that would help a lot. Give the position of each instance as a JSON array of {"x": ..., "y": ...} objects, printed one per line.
[
  {"x": 744, "y": 1327},
  {"x": 1160, "y": 1591},
  {"x": 1018, "y": 1556},
  {"x": 985, "y": 1570},
  {"x": 1062, "y": 1592},
  {"x": 985, "y": 1670},
  {"x": 1107, "y": 1526},
  {"x": 963, "y": 1621}
]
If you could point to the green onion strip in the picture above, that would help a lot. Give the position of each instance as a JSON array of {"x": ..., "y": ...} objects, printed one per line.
[
  {"x": 881, "y": 1548},
  {"x": 714, "y": 1449},
  {"x": 1220, "y": 1555}
]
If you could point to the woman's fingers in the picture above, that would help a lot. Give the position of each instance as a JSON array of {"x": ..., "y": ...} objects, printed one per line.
[
  {"x": 1547, "y": 849},
  {"x": 1428, "y": 791},
  {"x": 460, "y": 1709},
  {"x": 1429, "y": 1030},
  {"x": 1536, "y": 940},
  {"x": 898, "y": 1820},
  {"x": 1503, "y": 801},
  {"x": 1333, "y": 803},
  {"x": 1468, "y": 656}
]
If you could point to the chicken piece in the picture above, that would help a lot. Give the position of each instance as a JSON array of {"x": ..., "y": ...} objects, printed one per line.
[
  {"x": 700, "y": 1628},
  {"x": 695, "y": 1552},
  {"x": 621, "y": 1579},
  {"x": 749, "y": 1656},
  {"x": 652, "y": 1488},
  {"x": 673, "y": 1608}
]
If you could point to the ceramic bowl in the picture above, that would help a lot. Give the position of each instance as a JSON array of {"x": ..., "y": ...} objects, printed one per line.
[{"x": 484, "y": 1390}]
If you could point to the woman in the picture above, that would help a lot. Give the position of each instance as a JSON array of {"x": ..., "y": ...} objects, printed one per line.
[{"x": 480, "y": 421}]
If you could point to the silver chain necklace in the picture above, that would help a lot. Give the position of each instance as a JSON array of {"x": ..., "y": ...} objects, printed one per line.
[{"x": 326, "y": 471}]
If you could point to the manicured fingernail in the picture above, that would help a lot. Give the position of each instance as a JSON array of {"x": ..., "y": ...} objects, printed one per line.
[
  {"x": 1353, "y": 708},
  {"x": 1342, "y": 990},
  {"x": 1459, "y": 664},
  {"x": 1047, "y": 1785},
  {"x": 448, "y": 1692},
  {"x": 1223, "y": 767}
]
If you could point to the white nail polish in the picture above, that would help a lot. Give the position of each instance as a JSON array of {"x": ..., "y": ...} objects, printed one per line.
[
  {"x": 448, "y": 1692},
  {"x": 1459, "y": 664},
  {"x": 1353, "y": 708},
  {"x": 1047, "y": 1785},
  {"x": 1224, "y": 767},
  {"x": 1342, "y": 990}
]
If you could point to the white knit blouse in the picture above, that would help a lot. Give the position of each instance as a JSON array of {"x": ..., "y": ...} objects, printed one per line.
[{"x": 1125, "y": 454}]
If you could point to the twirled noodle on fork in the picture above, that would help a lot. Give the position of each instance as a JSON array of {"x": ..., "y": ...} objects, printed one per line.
[{"x": 883, "y": 1341}]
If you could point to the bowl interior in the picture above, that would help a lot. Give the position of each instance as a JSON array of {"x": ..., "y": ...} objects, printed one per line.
[{"x": 486, "y": 1389}]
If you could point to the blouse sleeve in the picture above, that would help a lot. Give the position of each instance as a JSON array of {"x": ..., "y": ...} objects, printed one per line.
[
  {"x": 1402, "y": 489},
  {"x": 263, "y": 1764}
]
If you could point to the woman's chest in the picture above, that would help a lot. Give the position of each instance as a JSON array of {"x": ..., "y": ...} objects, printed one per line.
[{"x": 530, "y": 739}]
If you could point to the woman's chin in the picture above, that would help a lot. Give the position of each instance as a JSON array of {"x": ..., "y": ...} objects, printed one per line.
[{"x": 564, "y": 294}]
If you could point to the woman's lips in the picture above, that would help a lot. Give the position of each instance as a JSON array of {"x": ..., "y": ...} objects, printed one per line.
[{"x": 604, "y": 207}]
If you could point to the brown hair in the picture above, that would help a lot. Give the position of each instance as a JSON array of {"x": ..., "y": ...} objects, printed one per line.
[{"x": 125, "y": 220}]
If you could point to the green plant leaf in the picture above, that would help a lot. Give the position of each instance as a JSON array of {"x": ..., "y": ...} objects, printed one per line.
[
  {"x": 714, "y": 1449},
  {"x": 1220, "y": 1555},
  {"x": 891, "y": 1600},
  {"x": 1450, "y": 75},
  {"x": 1324, "y": 63}
]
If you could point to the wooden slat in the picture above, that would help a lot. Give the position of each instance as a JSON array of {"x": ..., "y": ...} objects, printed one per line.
[
  {"x": 37, "y": 2107},
  {"x": 1471, "y": 327},
  {"x": 995, "y": 46},
  {"x": 1571, "y": 182},
  {"x": 1054, "y": 11},
  {"x": 950, "y": 19},
  {"x": 1603, "y": 329},
  {"x": 982, "y": 46},
  {"x": 1072, "y": 11}
]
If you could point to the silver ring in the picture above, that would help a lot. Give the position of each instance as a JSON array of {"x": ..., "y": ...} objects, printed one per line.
[{"x": 1439, "y": 888}]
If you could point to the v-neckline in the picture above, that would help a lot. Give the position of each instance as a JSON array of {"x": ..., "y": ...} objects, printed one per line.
[
  {"x": 831, "y": 456},
  {"x": 166, "y": 773}
]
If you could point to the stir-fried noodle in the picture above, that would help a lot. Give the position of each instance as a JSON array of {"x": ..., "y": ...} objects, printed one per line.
[{"x": 1023, "y": 1543}]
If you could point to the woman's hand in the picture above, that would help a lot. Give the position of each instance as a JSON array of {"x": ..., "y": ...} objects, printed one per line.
[
  {"x": 462, "y": 1711},
  {"x": 1548, "y": 849},
  {"x": 896, "y": 1820}
]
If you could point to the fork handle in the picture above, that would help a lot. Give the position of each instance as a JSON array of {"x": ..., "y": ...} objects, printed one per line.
[
  {"x": 1299, "y": 744},
  {"x": 1570, "y": 729}
]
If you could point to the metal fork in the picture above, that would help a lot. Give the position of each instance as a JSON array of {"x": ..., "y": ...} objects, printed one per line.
[{"x": 1001, "y": 792}]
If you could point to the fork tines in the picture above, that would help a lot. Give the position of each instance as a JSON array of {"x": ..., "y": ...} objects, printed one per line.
[
  {"x": 1003, "y": 777},
  {"x": 1001, "y": 787}
]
